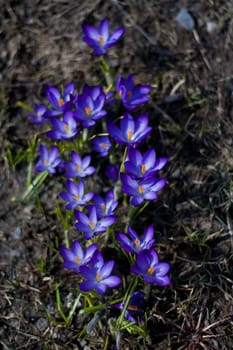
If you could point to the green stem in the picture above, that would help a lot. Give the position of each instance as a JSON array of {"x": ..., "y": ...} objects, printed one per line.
[
  {"x": 98, "y": 307},
  {"x": 129, "y": 293},
  {"x": 122, "y": 167},
  {"x": 72, "y": 311},
  {"x": 135, "y": 211},
  {"x": 34, "y": 187},
  {"x": 108, "y": 72},
  {"x": 58, "y": 301}
]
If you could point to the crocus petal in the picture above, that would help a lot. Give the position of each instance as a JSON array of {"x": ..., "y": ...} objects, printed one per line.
[
  {"x": 104, "y": 29},
  {"x": 107, "y": 269},
  {"x": 67, "y": 254},
  {"x": 90, "y": 31},
  {"x": 77, "y": 250},
  {"x": 116, "y": 35},
  {"x": 112, "y": 281},
  {"x": 87, "y": 285}
]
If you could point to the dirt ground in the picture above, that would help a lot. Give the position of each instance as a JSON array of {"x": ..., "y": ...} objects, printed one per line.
[{"x": 191, "y": 72}]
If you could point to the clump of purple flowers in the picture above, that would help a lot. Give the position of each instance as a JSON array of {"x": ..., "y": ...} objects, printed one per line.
[
  {"x": 100, "y": 38},
  {"x": 133, "y": 180}
]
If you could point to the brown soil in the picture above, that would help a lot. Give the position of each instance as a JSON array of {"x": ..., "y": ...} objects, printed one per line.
[{"x": 192, "y": 114}]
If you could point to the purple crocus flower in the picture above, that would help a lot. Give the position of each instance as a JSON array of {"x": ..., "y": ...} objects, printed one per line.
[
  {"x": 141, "y": 190},
  {"x": 75, "y": 195},
  {"x": 135, "y": 245},
  {"x": 140, "y": 166},
  {"x": 149, "y": 267},
  {"x": 78, "y": 167},
  {"x": 90, "y": 225},
  {"x": 49, "y": 159},
  {"x": 89, "y": 106},
  {"x": 135, "y": 309},
  {"x": 74, "y": 258},
  {"x": 98, "y": 276},
  {"x": 63, "y": 129},
  {"x": 131, "y": 95},
  {"x": 102, "y": 145},
  {"x": 38, "y": 116},
  {"x": 60, "y": 103},
  {"x": 100, "y": 38},
  {"x": 131, "y": 132},
  {"x": 105, "y": 207}
]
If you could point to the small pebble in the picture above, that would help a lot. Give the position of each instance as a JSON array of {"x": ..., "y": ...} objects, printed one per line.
[
  {"x": 42, "y": 324},
  {"x": 211, "y": 26},
  {"x": 17, "y": 233},
  {"x": 185, "y": 19},
  {"x": 14, "y": 253},
  {"x": 14, "y": 323}
]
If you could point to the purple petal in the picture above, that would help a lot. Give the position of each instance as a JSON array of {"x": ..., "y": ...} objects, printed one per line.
[
  {"x": 90, "y": 251},
  {"x": 116, "y": 35},
  {"x": 106, "y": 269},
  {"x": 90, "y": 31},
  {"x": 67, "y": 254},
  {"x": 87, "y": 285},
  {"x": 100, "y": 288},
  {"x": 104, "y": 29},
  {"x": 77, "y": 250},
  {"x": 112, "y": 281},
  {"x": 148, "y": 234},
  {"x": 161, "y": 269}
]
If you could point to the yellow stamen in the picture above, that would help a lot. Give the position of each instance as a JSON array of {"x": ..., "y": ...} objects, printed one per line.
[
  {"x": 78, "y": 261},
  {"x": 88, "y": 110},
  {"x": 140, "y": 189},
  {"x": 137, "y": 243},
  {"x": 103, "y": 207},
  {"x": 91, "y": 224},
  {"x": 150, "y": 270},
  {"x": 78, "y": 167},
  {"x": 104, "y": 146},
  {"x": 129, "y": 135},
  {"x": 143, "y": 168},
  {"x": 98, "y": 277},
  {"x": 66, "y": 127},
  {"x": 129, "y": 94},
  {"x": 76, "y": 197},
  {"x": 61, "y": 102},
  {"x": 46, "y": 162},
  {"x": 101, "y": 40},
  {"x": 132, "y": 308}
]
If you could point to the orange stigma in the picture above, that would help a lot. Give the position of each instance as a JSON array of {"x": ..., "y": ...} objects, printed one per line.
[
  {"x": 76, "y": 197},
  {"x": 98, "y": 277},
  {"x": 61, "y": 102},
  {"x": 88, "y": 110},
  {"x": 132, "y": 308},
  {"x": 91, "y": 224},
  {"x": 104, "y": 146},
  {"x": 103, "y": 207},
  {"x": 46, "y": 162},
  {"x": 150, "y": 270},
  {"x": 143, "y": 168},
  {"x": 129, "y": 94},
  {"x": 77, "y": 260},
  {"x": 101, "y": 40},
  {"x": 66, "y": 127},
  {"x": 129, "y": 135},
  {"x": 140, "y": 189},
  {"x": 137, "y": 243},
  {"x": 78, "y": 167}
]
